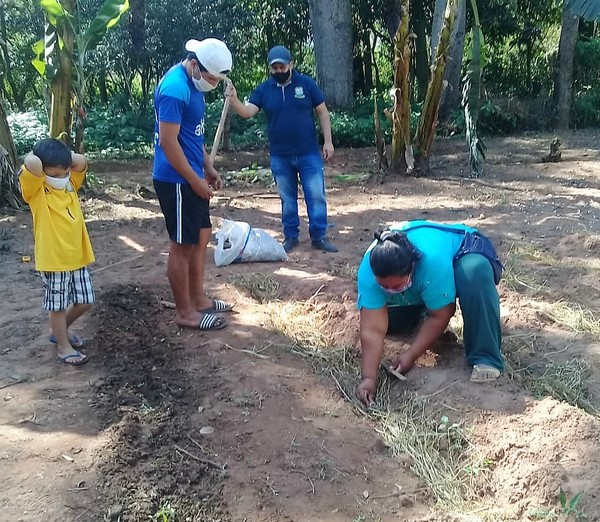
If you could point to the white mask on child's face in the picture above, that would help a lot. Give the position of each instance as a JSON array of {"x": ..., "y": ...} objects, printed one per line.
[{"x": 58, "y": 183}]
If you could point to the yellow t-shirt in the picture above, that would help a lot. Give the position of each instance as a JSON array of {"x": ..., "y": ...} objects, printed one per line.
[{"x": 61, "y": 239}]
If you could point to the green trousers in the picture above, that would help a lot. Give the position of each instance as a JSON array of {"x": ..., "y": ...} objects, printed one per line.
[{"x": 480, "y": 307}]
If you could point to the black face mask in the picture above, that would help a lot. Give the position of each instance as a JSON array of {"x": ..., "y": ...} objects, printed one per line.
[{"x": 281, "y": 77}]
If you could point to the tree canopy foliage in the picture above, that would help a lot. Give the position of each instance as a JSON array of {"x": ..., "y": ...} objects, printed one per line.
[{"x": 520, "y": 53}]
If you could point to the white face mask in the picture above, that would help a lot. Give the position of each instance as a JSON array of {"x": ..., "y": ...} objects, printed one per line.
[
  {"x": 201, "y": 84},
  {"x": 58, "y": 183}
]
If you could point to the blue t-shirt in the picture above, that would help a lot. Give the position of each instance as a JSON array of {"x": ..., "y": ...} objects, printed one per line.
[
  {"x": 176, "y": 100},
  {"x": 433, "y": 276},
  {"x": 289, "y": 110}
]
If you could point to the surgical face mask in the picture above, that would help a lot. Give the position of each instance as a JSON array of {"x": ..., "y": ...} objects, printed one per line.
[
  {"x": 202, "y": 85},
  {"x": 58, "y": 183},
  {"x": 399, "y": 290},
  {"x": 281, "y": 77}
]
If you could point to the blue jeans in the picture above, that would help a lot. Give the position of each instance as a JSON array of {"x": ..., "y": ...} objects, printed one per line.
[{"x": 309, "y": 167}]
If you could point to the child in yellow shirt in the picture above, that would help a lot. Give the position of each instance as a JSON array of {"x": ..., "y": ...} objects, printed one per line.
[{"x": 50, "y": 178}]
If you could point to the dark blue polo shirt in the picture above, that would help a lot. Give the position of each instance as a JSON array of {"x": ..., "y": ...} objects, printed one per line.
[{"x": 289, "y": 110}]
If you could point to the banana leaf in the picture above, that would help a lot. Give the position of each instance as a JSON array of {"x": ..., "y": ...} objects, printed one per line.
[
  {"x": 431, "y": 107},
  {"x": 471, "y": 97}
]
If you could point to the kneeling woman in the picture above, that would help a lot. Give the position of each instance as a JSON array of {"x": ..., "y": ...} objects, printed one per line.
[{"x": 411, "y": 276}]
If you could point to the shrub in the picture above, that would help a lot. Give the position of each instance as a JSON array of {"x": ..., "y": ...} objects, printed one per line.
[{"x": 27, "y": 128}]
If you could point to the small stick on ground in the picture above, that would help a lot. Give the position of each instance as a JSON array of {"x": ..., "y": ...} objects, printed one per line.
[
  {"x": 117, "y": 263},
  {"x": 11, "y": 384},
  {"x": 249, "y": 352},
  {"x": 302, "y": 473},
  {"x": 197, "y": 444},
  {"x": 211, "y": 463},
  {"x": 81, "y": 514},
  {"x": 167, "y": 304}
]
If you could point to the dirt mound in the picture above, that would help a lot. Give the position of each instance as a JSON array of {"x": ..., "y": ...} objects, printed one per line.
[
  {"x": 150, "y": 460},
  {"x": 535, "y": 455}
]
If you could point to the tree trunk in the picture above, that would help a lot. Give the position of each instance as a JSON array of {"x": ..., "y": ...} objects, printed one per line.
[
  {"x": 102, "y": 89},
  {"x": 137, "y": 28},
  {"x": 10, "y": 194},
  {"x": 452, "y": 94},
  {"x": 402, "y": 155},
  {"x": 421, "y": 61},
  {"x": 429, "y": 116},
  {"x": 438, "y": 20},
  {"x": 332, "y": 33},
  {"x": 393, "y": 18},
  {"x": 368, "y": 65},
  {"x": 61, "y": 106},
  {"x": 564, "y": 78},
  {"x": 17, "y": 96}
]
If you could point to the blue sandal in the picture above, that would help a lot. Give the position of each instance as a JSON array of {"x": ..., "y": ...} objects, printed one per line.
[{"x": 75, "y": 341}]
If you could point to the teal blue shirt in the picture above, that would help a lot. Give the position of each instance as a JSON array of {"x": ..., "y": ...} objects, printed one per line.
[{"x": 433, "y": 277}]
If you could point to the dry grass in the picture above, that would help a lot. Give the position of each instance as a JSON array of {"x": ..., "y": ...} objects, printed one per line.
[
  {"x": 343, "y": 270},
  {"x": 307, "y": 324},
  {"x": 515, "y": 277},
  {"x": 260, "y": 287},
  {"x": 566, "y": 382},
  {"x": 573, "y": 317},
  {"x": 440, "y": 452},
  {"x": 527, "y": 362}
]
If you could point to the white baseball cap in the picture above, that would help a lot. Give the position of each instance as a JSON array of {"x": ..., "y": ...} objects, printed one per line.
[{"x": 213, "y": 54}]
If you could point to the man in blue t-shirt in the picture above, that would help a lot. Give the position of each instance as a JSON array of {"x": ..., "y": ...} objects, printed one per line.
[
  {"x": 289, "y": 99},
  {"x": 184, "y": 177}
]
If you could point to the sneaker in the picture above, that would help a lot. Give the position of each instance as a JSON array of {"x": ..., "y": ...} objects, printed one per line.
[
  {"x": 290, "y": 243},
  {"x": 324, "y": 245}
]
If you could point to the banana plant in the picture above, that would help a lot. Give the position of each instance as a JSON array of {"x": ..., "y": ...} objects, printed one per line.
[
  {"x": 61, "y": 57},
  {"x": 435, "y": 89},
  {"x": 412, "y": 157},
  {"x": 400, "y": 115},
  {"x": 471, "y": 96}
]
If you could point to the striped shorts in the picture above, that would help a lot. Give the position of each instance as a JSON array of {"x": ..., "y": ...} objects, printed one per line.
[{"x": 62, "y": 289}]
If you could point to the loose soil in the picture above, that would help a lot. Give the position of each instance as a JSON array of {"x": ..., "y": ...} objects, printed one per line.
[{"x": 234, "y": 425}]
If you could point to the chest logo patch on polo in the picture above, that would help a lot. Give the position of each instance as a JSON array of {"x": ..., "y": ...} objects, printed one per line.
[{"x": 299, "y": 92}]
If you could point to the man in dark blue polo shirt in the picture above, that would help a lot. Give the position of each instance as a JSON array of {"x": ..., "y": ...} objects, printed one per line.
[{"x": 288, "y": 99}]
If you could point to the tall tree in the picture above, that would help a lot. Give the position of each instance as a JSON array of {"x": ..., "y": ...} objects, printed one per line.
[
  {"x": 452, "y": 94},
  {"x": 563, "y": 81},
  {"x": 9, "y": 185},
  {"x": 421, "y": 60},
  {"x": 438, "y": 20},
  {"x": 332, "y": 34}
]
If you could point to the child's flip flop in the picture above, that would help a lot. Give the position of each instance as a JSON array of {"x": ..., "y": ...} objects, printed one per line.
[
  {"x": 75, "y": 341},
  {"x": 217, "y": 307},
  {"x": 81, "y": 359}
]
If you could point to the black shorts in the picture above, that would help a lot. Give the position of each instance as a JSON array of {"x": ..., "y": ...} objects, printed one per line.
[{"x": 185, "y": 212}]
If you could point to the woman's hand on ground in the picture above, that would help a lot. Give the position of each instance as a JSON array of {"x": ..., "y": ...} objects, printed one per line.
[
  {"x": 366, "y": 390},
  {"x": 403, "y": 363}
]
